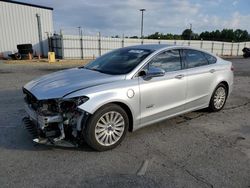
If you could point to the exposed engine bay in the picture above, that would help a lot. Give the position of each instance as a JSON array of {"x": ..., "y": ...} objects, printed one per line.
[{"x": 55, "y": 121}]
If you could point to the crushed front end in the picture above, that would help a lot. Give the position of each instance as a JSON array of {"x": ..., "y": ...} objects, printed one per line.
[{"x": 55, "y": 121}]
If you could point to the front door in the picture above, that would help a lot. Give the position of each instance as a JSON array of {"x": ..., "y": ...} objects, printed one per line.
[{"x": 161, "y": 97}]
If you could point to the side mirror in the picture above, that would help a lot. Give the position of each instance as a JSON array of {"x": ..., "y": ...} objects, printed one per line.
[{"x": 152, "y": 72}]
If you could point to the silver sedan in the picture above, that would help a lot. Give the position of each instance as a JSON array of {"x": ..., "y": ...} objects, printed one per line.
[{"x": 122, "y": 91}]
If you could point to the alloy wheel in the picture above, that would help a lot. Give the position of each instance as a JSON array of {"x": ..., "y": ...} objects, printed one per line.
[
  {"x": 109, "y": 128},
  {"x": 219, "y": 97}
]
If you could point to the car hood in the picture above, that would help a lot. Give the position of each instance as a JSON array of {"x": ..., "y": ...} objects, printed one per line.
[{"x": 61, "y": 83}]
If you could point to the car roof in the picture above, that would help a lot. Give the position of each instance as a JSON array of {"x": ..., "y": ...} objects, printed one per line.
[
  {"x": 150, "y": 46},
  {"x": 156, "y": 47}
]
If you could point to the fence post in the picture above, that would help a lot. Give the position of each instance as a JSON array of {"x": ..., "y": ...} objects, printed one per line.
[
  {"x": 212, "y": 48},
  {"x": 238, "y": 48},
  {"x": 81, "y": 45},
  {"x": 122, "y": 40},
  {"x": 55, "y": 44},
  {"x": 222, "y": 49},
  {"x": 58, "y": 45},
  {"x": 232, "y": 49},
  {"x": 52, "y": 44},
  {"x": 201, "y": 46},
  {"x": 62, "y": 45},
  {"x": 49, "y": 45},
  {"x": 99, "y": 44}
]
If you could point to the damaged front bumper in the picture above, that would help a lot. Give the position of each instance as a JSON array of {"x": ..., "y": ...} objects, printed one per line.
[
  {"x": 55, "y": 129},
  {"x": 42, "y": 121}
]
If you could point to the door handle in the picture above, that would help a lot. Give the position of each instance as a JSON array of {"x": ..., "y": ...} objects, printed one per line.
[
  {"x": 212, "y": 70},
  {"x": 180, "y": 76}
]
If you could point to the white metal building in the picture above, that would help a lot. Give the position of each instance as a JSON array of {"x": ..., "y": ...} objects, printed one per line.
[{"x": 22, "y": 23}]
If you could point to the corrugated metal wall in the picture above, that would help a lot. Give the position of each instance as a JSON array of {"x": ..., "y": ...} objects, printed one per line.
[
  {"x": 85, "y": 47},
  {"x": 18, "y": 25}
]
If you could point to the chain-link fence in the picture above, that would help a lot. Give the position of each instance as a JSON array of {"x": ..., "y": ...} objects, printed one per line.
[{"x": 90, "y": 47}]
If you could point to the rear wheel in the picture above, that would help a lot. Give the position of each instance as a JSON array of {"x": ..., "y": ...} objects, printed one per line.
[
  {"x": 106, "y": 128},
  {"x": 218, "y": 98}
]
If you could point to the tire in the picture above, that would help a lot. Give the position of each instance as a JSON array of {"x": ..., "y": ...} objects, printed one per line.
[
  {"x": 102, "y": 132},
  {"x": 18, "y": 56},
  {"x": 218, "y": 99}
]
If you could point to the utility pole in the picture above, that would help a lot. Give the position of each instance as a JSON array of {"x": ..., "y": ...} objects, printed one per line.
[
  {"x": 142, "y": 11},
  {"x": 81, "y": 41},
  {"x": 40, "y": 34},
  {"x": 80, "y": 30},
  {"x": 190, "y": 31}
]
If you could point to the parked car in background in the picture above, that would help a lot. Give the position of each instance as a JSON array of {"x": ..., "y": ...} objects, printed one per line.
[
  {"x": 124, "y": 90},
  {"x": 246, "y": 52}
]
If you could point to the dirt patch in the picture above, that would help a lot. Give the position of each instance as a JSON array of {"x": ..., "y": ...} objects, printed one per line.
[{"x": 45, "y": 61}]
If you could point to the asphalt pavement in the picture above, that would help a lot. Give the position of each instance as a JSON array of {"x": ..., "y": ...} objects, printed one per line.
[{"x": 198, "y": 149}]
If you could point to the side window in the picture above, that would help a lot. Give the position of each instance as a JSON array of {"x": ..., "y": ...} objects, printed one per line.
[
  {"x": 195, "y": 58},
  {"x": 168, "y": 61},
  {"x": 211, "y": 59}
]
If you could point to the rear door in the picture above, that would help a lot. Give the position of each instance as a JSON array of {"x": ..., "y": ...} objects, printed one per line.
[{"x": 200, "y": 75}]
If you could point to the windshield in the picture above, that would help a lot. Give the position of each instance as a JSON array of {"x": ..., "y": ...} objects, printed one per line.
[{"x": 120, "y": 61}]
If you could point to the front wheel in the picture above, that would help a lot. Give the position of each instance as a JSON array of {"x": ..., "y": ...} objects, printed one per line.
[
  {"x": 218, "y": 98},
  {"x": 106, "y": 128}
]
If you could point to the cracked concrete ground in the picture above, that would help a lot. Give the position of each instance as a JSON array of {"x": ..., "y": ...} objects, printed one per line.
[{"x": 198, "y": 149}]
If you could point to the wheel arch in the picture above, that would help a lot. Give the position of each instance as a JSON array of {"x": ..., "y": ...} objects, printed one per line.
[
  {"x": 125, "y": 107},
  {"x": 211, "y": 106},
  {"x": 224, "y": 83},
  {"x": 129, "y": 113},
  {"x": 213, "y": 88}
]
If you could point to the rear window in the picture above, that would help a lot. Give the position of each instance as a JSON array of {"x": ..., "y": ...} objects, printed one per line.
[
  {"x": 211, "y": 59},
  {"x": 195, "y": 58}
]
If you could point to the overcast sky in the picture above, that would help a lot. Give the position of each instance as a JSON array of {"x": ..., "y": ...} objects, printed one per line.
[{"x": 115, "y": 17}]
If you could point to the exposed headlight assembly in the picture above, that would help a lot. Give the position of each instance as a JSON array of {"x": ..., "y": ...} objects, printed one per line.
[
  {"x": 80, "y": 100},
  {"x": 71, "y": 104}
]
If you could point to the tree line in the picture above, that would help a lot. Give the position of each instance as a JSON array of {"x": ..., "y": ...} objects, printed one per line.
[{"x": 225, "y": 35}]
